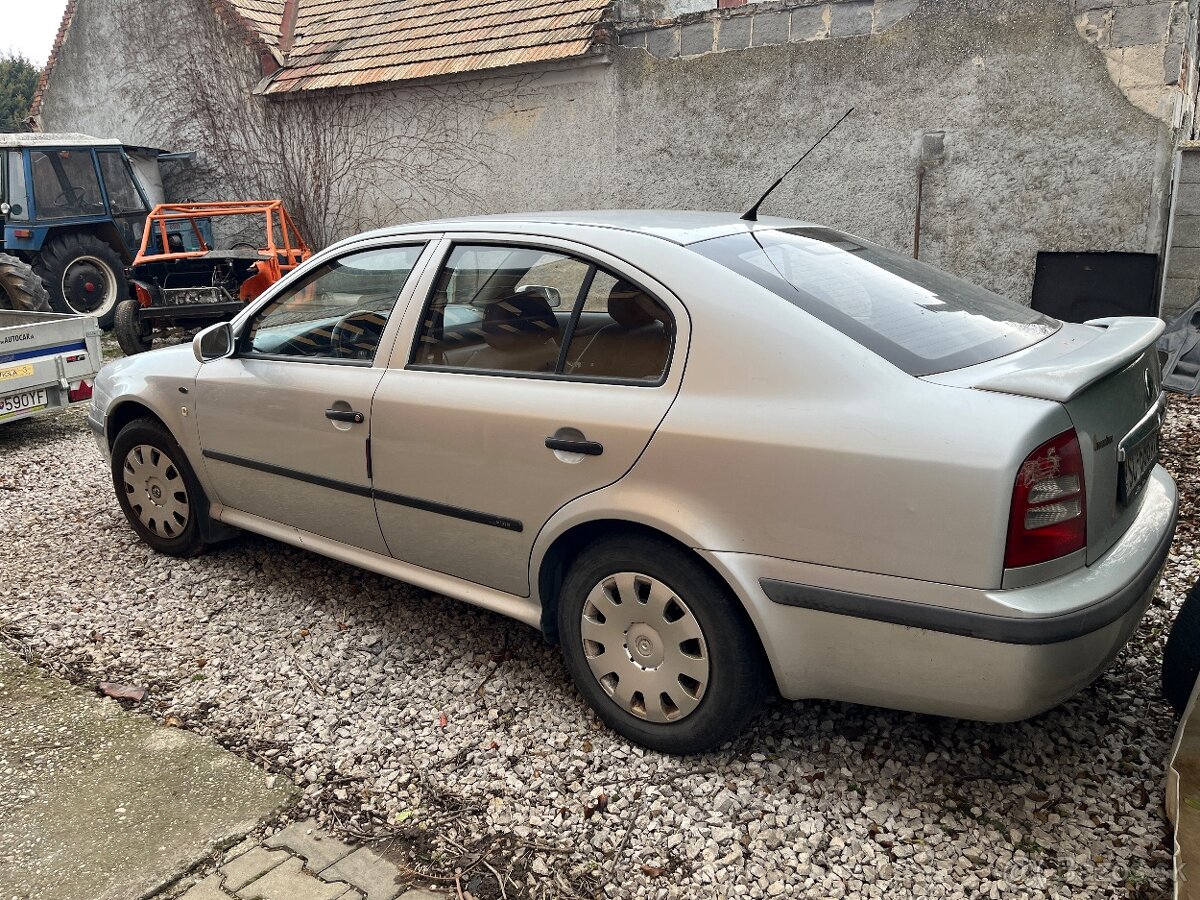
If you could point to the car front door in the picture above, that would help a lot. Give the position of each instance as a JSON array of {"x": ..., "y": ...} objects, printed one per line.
[
  {"x": 284, "y": 423},
  {"x": 529, "y": 376}
]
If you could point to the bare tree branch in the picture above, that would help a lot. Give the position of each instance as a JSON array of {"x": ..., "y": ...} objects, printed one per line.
[{"x": 342, "y": 161}]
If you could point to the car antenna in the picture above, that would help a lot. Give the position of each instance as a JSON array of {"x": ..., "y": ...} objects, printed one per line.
[{"x": 751, "y": 215}]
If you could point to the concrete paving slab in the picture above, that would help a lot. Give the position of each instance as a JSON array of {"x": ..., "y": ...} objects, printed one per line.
[
  {"x": 251, "y": 866},
  {"x": 307, "y": 839},
  {"x": 289, "y": 881},
  {"x": 367, "y": 871},
  {"x": 207, "y": 889},
  {"x": 97, "y": 803}
]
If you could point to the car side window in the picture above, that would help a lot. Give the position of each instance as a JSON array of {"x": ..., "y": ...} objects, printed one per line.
[
  {"x": 500, "y": 309},
  {"x": 622, "y": 333},
  {"x": 514, "y": 309},
  {"x": 338, "y": 311}
]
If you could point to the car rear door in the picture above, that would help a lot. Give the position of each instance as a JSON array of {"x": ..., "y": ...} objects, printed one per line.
[
  {"x": 483, "y": 427},
  {"x": 284, "y": 423}
]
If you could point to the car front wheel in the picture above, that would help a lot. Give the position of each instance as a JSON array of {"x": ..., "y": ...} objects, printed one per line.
[
  {"x": 157, "y": 489},
  {"x": 658, "y": 647}
]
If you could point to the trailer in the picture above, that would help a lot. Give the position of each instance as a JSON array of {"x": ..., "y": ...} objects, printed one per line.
[{"x": 47, "y": 362}]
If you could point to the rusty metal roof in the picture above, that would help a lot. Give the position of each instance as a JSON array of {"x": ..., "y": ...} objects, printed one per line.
[{"x": 345, "y": 43}]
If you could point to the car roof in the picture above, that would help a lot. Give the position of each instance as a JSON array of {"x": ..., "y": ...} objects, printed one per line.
[
  {"x": 43, "y": 139},
  {"x": 678, "y": 226}
]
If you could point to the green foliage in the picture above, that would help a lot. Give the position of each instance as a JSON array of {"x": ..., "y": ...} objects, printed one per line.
[{"x": 18, "y": 81}]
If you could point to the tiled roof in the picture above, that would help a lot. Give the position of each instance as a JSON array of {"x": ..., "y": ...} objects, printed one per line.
[
  {"x": 263, "y": 16},
  {"x": 343, "y": 43},
  {"x": 35, "y": 108},
  {"x": 346, "y": 43}
]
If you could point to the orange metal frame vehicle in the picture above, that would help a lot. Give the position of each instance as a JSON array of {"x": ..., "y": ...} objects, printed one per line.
[{"x": 280, "y": 254}]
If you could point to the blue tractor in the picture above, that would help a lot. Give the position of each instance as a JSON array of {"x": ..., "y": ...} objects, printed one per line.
[{"x": 73, "y": 210}]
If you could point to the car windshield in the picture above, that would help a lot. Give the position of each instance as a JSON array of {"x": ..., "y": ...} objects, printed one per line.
[{"x": 919, "y": 318}]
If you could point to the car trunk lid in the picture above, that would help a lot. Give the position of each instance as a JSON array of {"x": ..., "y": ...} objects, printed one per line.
[{"x": 1107, "y": 375}]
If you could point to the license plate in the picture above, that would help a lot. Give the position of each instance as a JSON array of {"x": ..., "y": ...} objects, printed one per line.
[
  {"x": 1135, "y": 468},
  {"x": 12, "y": 405},
  {"x": 15, "y": 372}
]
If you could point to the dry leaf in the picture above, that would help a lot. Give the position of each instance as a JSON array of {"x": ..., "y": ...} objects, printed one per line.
[{"x": 122, "y": 691}]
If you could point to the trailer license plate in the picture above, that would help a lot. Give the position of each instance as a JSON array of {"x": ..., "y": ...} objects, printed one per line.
[
  {"x": 15, "y": 372},
  {"x": 1135, "y": 468},
  {"x": 12, "y": 405}
]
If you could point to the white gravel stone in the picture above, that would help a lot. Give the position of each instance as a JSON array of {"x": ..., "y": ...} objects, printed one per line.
[{"x": 338, "y": 679}]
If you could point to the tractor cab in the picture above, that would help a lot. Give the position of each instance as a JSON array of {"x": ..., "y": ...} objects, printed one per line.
[{"x": 72, "y": 208}]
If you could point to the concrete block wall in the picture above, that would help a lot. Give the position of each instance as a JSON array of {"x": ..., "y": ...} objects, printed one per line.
[
  {"x": 1148, "y": 47},
  {"x": 1181, "y": 281},
  {"x": 681, "y": 28}
]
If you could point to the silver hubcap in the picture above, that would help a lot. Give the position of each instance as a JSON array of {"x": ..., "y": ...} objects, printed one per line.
[
  {"x": 156, "y": 492},
  {"x": 645, "y": 647}
]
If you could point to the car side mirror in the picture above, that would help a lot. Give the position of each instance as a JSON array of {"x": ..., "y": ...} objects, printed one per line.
[{"x": 214, "y": 342}]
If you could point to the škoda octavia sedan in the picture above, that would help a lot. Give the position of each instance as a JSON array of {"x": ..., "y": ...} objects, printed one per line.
[{"x": 709, "y": 457}]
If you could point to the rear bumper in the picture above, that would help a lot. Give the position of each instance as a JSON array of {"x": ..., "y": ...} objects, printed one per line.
[{"x": 991, "y": 655}]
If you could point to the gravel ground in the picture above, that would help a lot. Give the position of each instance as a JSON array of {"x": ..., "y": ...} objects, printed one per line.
[{"x": 455, "y": 738}]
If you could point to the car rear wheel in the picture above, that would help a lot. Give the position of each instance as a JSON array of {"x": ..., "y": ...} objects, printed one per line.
[
  {"x": 83, "y": 275},
  {"x": 157, "y": 489},
  {"x": 658, "y": 647},
  {"x": 20, "y": 288},
  {"x": 1181, "y": 654},
  {"x": 134, "y": 334}
]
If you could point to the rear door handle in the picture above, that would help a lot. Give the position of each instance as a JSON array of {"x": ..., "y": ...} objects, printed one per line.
[
  {"x": 587, "y": 448},
  {"x": 345, "y": 415}
]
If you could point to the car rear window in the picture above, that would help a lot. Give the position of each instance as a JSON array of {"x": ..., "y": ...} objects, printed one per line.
[{"x": 919, "y": 318}]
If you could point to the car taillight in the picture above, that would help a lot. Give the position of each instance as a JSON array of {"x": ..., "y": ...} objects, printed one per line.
[
  {"x": 81, "y": 391},
  {"x": 1048, "y": 517},
  {"x": 143, "y": 296}
]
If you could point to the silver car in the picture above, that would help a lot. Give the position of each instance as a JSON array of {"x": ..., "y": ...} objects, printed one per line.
[{"x": 710, "y": 458}]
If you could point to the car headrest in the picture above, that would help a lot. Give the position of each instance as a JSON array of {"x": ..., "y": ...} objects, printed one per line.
[
  {"x": 519, "y": 321},
  {"x": 631, "y": 307}
]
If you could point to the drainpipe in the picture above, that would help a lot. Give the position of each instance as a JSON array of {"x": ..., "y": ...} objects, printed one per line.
[
  {"x": 932, "y": 153},
  {"x": 917, "y": 223}
]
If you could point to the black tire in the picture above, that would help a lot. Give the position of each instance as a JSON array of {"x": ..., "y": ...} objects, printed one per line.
[
  {"x": 82, "y": 275},
  {"x": 735, "y": 685},
  {"x": 137, "y": 472},
  {"x": 20, "y": 287},
  {"x": 1181, "y": 654},
  {"x": 133, "y": 333}
]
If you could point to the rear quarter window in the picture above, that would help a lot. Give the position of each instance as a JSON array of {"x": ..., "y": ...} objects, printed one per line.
[{"x": 920, "y": 319}]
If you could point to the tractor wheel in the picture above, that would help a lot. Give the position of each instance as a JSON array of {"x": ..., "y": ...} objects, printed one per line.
[
  {"x": 83, "y": 275},
  {"x": 20, "y": 288},
  {"x": 134, "y": 334}
]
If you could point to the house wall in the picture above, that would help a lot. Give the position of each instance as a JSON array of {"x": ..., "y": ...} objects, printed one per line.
[{"x": 1054, "y": 135}]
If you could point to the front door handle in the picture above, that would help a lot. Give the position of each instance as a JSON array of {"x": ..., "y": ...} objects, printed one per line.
[
  {"x": 345, "y": 415},
  {"x": 587, "y": 448}
]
